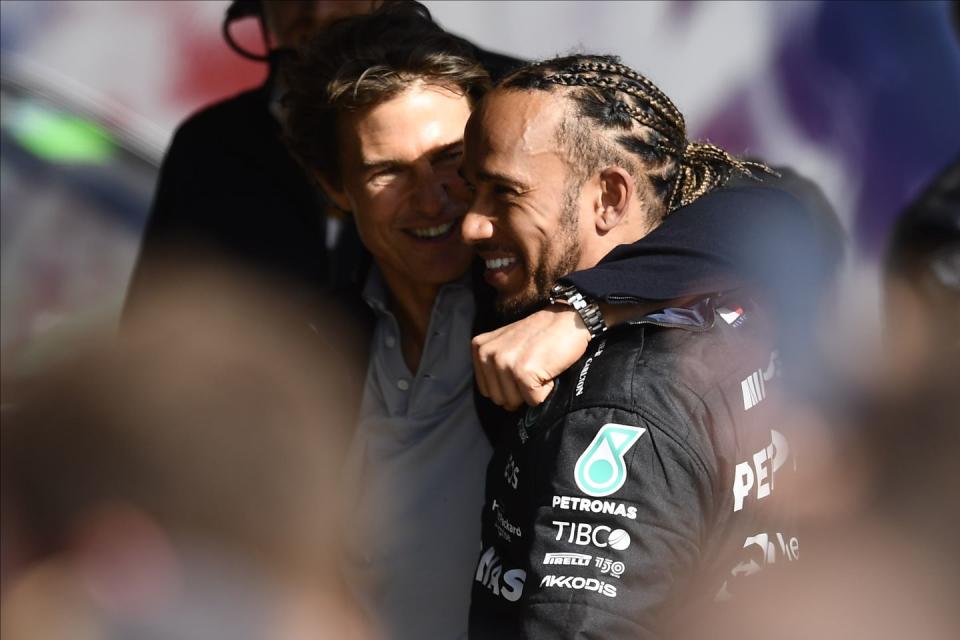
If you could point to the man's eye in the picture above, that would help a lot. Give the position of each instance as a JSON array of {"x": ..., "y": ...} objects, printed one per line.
[
  {"x": 502, "y": 190},
  {"x": 450, "y": 159}
]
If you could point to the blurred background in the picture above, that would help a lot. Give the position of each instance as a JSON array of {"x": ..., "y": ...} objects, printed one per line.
[{"x": 861, "y": 97}]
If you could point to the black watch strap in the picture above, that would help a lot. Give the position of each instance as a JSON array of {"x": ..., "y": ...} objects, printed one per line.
[{"x": 588, "y": 309}]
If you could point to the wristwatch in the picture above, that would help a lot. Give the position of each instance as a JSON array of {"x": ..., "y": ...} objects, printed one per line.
[{"x": 588, "y": 309}]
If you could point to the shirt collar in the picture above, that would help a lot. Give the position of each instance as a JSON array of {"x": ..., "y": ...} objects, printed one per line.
[
  {"x": 375, "y": 290},
  {"x": 376, "y": 295}
]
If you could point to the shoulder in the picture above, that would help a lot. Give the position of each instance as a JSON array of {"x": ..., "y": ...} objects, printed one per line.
[
  {"x": 238, "y": 142},
  {"x": 226, "y": 117},
  {"x": 686, "y": 382},
  {"x": 739, "y": 208},
  {"x": 785, "y": 215},
  {"x": 643, "y": 366}
]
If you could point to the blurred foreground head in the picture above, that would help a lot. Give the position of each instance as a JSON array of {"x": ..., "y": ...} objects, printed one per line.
[
  {"x": 181, "y": 481},
  {"x": 922, "y": 283}
]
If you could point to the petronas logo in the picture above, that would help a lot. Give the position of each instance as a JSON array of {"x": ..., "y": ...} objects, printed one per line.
[{"x": 600, "y": 469}]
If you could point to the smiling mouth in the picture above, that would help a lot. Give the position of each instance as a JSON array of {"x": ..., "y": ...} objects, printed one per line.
[
  {"x": 437, "y": 232},
  {"x": 499, "y": 264},
  {"x": 499, "y": 270}
]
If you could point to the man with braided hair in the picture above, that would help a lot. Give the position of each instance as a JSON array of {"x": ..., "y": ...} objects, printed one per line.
[{"x": 645, "y": 481}]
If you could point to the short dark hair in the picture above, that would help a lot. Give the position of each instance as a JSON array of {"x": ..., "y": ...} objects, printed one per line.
[
  {"x": 362, "y": 61},
  {"x": 620, "y": 117}
]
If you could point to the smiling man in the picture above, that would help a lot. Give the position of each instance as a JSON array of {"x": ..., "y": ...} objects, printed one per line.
[
  {"x": 645, "y": 482},
  {"x": 537, "y": 239},
  {"x": 377, "y": 109},
  {"x": 399, "y": 162}
]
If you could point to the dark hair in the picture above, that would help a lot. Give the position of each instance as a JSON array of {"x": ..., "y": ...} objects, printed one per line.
[
  {"x": 644, "y": 131},
  {"x": 362, "y": 61}
]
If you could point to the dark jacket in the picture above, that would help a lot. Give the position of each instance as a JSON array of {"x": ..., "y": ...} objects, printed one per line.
[
  {"x": 778, "y": 239},
  {"x": 228, "y": 185},
  {"x": 769, "y": 236},
  {"x": 645, "y": 480}
]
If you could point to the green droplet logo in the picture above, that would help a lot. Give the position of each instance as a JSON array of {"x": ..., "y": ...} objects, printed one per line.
[{"x": 600, "y": 470}]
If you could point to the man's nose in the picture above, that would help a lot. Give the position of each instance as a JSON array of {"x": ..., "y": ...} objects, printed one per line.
[
  {"x": 431, "y": 195},
  {"x": 477, "y": 227}
]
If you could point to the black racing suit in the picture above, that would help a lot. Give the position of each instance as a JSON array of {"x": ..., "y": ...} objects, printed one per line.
[{"x": 651, "y": 478}]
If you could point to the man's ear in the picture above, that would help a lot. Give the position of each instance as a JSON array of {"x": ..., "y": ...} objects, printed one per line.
[
  {"x": 336, "y": 194},
  {"x": 613, "y": 198}
]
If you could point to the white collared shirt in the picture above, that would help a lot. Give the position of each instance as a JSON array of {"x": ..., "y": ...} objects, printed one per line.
[{"x": 417, "y": 466}]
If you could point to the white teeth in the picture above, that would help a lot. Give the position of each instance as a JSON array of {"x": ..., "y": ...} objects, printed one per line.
[
  {"x": 499, "y": 263},
  {"x": 433, "y": 232}
]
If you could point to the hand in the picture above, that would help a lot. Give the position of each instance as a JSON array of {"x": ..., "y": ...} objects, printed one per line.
[{"x": 517, "y": 363}]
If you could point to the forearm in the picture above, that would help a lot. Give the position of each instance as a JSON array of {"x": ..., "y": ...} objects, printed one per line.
[{"x": 517, "y": 363}]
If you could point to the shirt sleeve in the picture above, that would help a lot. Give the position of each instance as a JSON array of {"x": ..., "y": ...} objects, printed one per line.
[{"x": 621, "y": 508}]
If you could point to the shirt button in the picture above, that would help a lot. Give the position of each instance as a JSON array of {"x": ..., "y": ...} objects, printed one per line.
[
  {"x": 390, "y": 341},
  {"x": 403, "y": 385}
]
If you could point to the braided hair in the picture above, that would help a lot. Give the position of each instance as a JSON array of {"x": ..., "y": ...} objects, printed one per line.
[{"x": 640, "y": 129}]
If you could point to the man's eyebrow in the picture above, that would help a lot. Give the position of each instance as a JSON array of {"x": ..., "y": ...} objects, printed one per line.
[
  {"x": 494, "y": 176},
  {"x": 445, "y": 149},
  {"x": 380, "y": 165},
  {"x": 389, "y": 163}
]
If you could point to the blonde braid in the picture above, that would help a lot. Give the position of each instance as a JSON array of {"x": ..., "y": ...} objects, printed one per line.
[{"x": 704, "y": 167}]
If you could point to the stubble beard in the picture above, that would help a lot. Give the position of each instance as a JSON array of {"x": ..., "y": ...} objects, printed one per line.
[{"x": 557, "y": 258}]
